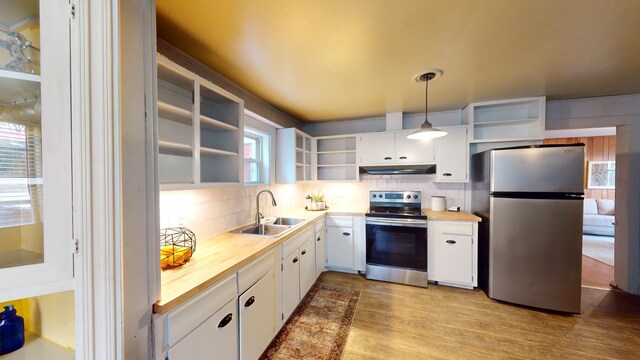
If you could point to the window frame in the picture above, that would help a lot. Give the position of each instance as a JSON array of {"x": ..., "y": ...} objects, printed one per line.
[{"x": 254, "y": 135}]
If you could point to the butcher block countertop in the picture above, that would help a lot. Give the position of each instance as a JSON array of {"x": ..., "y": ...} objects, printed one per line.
[
  {"x": 451, "y": 216},
  {"x": 221, "y": 255}
]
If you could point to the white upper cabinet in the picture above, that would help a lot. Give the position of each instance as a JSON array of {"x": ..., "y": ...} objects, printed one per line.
[
  {"x": 506, "y": 120},
  {"x": 36, "y": 229},
  {"x": 293, "y": 156},
  {"x": 452, "y": 155},
  {"x": 393, "y": 148},
  {"x": 335, "y": 157},
  {"x": 413, "y": 151},
  {"x": 200, "y": 130}
]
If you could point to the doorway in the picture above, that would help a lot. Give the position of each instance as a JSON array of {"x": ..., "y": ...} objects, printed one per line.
[{"x": 599, "y": 206}]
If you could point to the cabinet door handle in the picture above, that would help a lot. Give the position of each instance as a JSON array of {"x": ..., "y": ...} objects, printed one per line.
[
  {"x": 451, "y": 241},
  {"x": 346, "y": 234},
  {"x": 295, "y": 259},
  {"x": 446, "y": 174},
  {"x": 388, "y": 158},
  {"x": 402, "y": 158},
  {"x": 304, "y": 252},
  {"x": 225, "y": 320},
  {"x": 250, "y": 301},
  {"x": 318, "y": 239}
]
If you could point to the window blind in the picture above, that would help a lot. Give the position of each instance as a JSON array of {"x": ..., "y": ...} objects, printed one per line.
[{"x": 20, "y": 174}]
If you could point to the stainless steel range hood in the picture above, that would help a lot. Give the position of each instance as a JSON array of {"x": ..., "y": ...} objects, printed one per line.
[{"x": 398, "y": 169}]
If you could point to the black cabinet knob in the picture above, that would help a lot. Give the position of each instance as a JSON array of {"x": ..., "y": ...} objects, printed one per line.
[
  {"x": 446, "y": 174},
  {"x": 451, "y": 241},
  {"x": 225, "y": 320},
  {"x": 304, "y": 252},
  {"x": 318, "y": 239},
  {"x": 402, "y": 158},
  {"x": 295, "y": 259},
  {"x": 250, "y": 301},
  {"x": 346, "y": 233},
  {"x": 388, "y": 158}
]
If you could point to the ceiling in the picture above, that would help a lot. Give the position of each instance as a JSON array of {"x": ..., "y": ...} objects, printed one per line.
[{"x": 343, "y": 59}]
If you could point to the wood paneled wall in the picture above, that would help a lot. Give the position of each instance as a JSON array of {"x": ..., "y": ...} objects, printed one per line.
[{"x": 599, "y": 148}]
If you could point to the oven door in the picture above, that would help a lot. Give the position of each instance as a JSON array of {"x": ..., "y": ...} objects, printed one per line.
[{"x": 397, "y": 243}]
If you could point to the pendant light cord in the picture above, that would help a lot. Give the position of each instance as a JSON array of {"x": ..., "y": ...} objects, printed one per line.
[{"x": 426, "y": 99}]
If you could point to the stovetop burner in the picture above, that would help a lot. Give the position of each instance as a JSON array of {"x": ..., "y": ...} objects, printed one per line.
[{"x": 397, "y": 204}]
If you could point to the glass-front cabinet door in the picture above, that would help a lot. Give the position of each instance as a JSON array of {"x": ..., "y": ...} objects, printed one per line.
[{"x": 36, "y": 234}]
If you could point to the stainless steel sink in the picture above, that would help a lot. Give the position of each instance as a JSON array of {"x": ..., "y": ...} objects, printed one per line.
[
  {"x": 263, "y": 230},
  {"x": 286, "y": 221}
]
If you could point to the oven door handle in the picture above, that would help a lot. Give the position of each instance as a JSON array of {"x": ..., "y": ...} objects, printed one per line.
[{"x": 397, "y": 222}]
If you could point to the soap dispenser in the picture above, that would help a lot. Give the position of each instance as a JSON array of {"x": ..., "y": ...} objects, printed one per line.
[{"x": 11, "y": 330}]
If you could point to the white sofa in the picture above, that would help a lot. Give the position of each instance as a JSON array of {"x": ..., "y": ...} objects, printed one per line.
[{"x": 598, "y": 217}]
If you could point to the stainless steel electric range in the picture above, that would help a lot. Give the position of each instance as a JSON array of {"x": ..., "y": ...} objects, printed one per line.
[{"x": 396, "y": 232}]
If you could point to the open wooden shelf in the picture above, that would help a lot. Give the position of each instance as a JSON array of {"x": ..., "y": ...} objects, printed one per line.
[
  {"x": 171, "y": 148},
  {"x": 176, "y": 113},
  {"x": 210, "y": 151},
  {"x": 506, "y": 122},
  {"x": 215, "y": 125}
]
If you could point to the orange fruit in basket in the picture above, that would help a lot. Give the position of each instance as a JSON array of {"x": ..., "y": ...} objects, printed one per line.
[{"x": 173, "y": 256}]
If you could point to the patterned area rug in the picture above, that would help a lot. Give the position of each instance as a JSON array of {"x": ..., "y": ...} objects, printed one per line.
[
  {"x": 318, "y": 328},
  {"x": 599, "y": 248}
]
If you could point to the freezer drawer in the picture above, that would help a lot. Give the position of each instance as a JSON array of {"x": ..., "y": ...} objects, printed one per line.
[
  {"x": 535, "y": 252},
  {"x": 540, "y": 169}
]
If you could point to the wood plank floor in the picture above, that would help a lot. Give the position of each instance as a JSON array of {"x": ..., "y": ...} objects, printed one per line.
[
  {"x": 596, "y": 273},
  {"x": 395, "y": 321}
]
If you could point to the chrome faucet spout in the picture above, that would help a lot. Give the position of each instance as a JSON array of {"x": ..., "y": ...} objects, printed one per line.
[{"x": 273, "y": 202}]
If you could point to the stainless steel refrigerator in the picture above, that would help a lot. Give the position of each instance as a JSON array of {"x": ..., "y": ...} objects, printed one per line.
[{"x": 530, "y": 199}]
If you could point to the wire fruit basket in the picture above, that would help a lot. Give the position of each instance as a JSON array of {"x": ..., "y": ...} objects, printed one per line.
[{"x": 177, "y": 245}]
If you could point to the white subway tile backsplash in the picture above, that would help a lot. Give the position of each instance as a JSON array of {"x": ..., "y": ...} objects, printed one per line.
[{"x": 212, "y": 211}]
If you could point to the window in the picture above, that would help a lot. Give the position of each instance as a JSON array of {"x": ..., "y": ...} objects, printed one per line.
[
  {"x": 252, "y": 158},
  {"x": 259, "y": 149},
  {"x": 20, "y": 174}
]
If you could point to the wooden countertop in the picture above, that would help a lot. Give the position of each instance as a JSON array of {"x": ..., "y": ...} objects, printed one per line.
[
  {"x": 451, "y": 216},
  {"x": 221, "y": 255}
]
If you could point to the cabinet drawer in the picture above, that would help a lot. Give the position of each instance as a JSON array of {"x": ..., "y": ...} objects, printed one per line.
[
  {"x": 251, "y": 273},
  {"x": 294, "y": 243},
  {"x": 459, "y": 228},
  {"x": 340, "y": 221},
  {"x": 191, "y": 314},
  {"x": 217, "y": 335}
]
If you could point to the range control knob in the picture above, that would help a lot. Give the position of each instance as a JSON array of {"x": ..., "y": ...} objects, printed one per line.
[
  {"x": 373, "y": 196},
  {"x": 415, "y": 196},
  {"x": 408, "y": 197}
]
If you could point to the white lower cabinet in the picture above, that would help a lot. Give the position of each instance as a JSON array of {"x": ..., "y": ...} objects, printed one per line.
[
  {"x": 206, "y": 324},
  {"x": 307, "y": 267},
  {"x": 298, "y": 270},
  {"x": 453, "y": 253},
  {"x": 340, "y": 247},
  {"x": 255, "y": 307},
  {"x": 346, "y": 243},
  {"x": 216, "y": 338},
  {"x": 290, "y": 284},
  {"x": 321, "y": 251}
]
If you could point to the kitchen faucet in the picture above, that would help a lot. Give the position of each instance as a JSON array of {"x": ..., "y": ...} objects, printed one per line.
[{"x": 273, "y": 202}]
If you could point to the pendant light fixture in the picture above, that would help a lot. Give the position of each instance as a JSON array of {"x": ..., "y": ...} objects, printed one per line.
[{"x": 427, "y": 131}]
